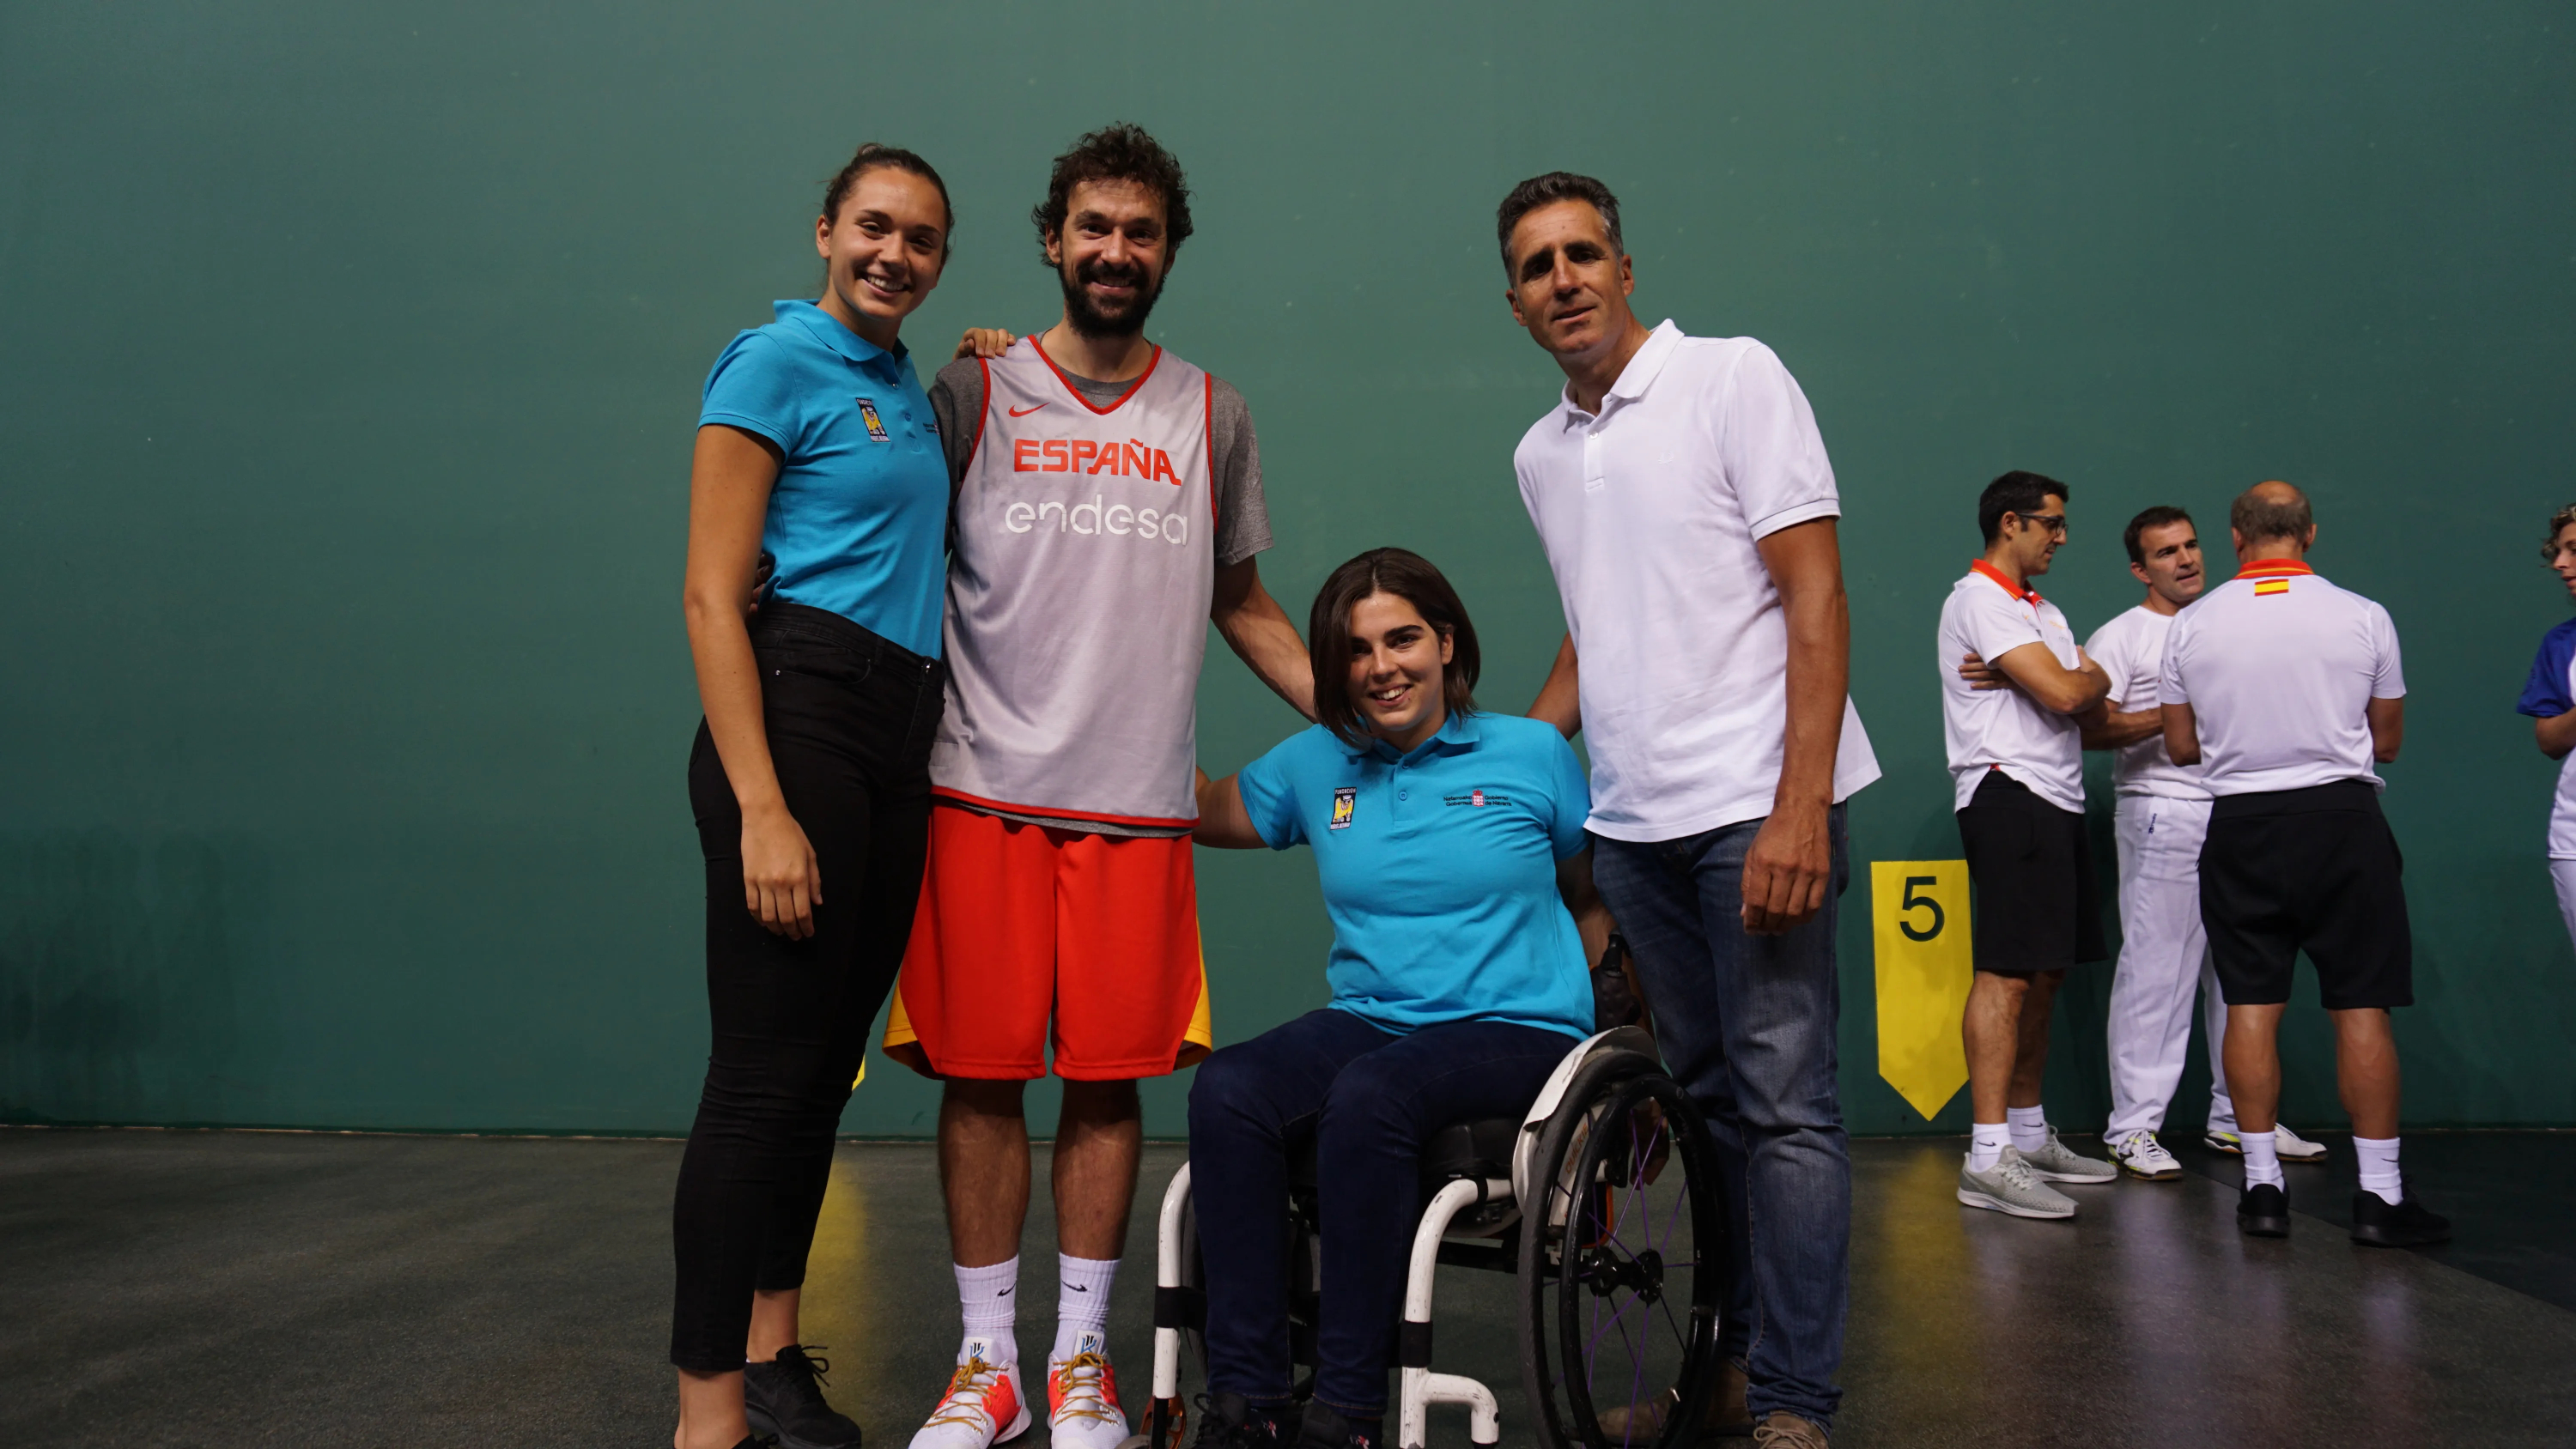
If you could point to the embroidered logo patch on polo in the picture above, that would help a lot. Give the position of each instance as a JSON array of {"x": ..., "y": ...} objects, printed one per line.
[
  {"x": 868, "y": 415},
  {"x": 1476, "y": 799},
  {"x": 1345, "y": 800}
]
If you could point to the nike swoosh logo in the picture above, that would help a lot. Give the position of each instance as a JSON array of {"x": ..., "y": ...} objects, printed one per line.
[
  {"x": 1024, "y": 412},
  {"x": 1078, "y": 1288}
]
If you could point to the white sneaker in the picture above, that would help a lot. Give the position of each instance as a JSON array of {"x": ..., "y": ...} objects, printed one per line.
[
  {"x": 983, "y": 1405},
  {"x": 2011, "y": 1187},
  {"x": 1082, "y": 1398},
  {"x": 2141, "y": 1155},
  {"x": 2291, "y": 1146},
  {"x": 2057, "y": 1162}
]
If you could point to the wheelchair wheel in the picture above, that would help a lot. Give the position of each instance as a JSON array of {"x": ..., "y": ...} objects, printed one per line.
[{"x": 1622, "y": 1263}]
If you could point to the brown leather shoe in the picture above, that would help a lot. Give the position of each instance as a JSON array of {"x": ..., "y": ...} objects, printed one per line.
[
  {"x": 1781, "y": 1429},
  {"x": 1726, "y": 1413}
]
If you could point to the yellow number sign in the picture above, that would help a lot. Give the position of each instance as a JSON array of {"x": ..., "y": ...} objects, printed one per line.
[{"x": 1919, "y": 912}]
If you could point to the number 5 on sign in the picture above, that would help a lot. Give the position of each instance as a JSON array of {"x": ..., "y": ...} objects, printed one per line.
[{"x": 1919, "y": 913}]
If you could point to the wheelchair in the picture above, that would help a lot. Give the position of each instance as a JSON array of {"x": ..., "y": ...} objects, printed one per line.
[{"x": 1603, "y": 1200}]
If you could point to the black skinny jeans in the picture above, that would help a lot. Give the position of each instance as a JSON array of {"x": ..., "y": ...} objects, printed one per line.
[{"x": 850, "y": 718}]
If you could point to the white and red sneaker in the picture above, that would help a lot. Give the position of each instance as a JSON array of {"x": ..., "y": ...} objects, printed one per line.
[
  {"x": 1082, "y": 1398},
  {"x": 983, "y": 1405}
]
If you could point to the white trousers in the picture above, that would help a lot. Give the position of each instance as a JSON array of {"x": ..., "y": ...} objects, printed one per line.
[
  {"x": 2164, "y": 958},
  {"x": 2562, "y": 874}
]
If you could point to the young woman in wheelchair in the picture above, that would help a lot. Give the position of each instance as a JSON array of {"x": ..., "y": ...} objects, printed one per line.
[{"x": 1447, "y": 841}]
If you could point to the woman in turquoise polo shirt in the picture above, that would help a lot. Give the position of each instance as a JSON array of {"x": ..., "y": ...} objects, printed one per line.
[
  {"x": 810, "y": 778},
  {"x": 1442, "y": 837}
]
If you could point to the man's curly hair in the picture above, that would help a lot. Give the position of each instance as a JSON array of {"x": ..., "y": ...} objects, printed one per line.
[
  {"x": 1120, "y": 152},
  {"x": 2557, "y": 524}
]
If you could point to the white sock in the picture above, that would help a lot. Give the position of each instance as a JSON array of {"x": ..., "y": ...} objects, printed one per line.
[
  {"x": 2029, "y": 1127},
  {"x": 2262, "y": 1159},
  {"x": 990, "y": 1308},
  {"x": 1987, "y": 1145},
  {"x": 1082, "y": 1303},
  {"x": 2379, "y": 1168}
]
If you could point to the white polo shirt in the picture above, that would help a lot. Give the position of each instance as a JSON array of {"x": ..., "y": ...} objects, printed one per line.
[
  {"x": 2004, "y": 729},
  {"x": 2131, "y": 649},
  {"x": 2279, "y": 668},
  {"x": 1649, "y": 513}
]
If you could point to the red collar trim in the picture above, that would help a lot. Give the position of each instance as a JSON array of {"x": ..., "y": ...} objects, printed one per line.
[
  {"x": 1097, "y": 410},
  {"x": 2022, "y": 592},
  {"x": 2273, "y": 568}
]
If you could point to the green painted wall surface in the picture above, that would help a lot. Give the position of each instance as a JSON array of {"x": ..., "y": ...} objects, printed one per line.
[{"x": 349, "y": 357}]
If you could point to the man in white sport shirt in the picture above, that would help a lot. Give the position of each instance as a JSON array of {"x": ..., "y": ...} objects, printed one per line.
[
  {"x": 1108, "y": 506},
  {"x": 2286, "y": 690},
  {"x": 2160, "y": 818},
  {"x": 1681, "y": 490},
  {"x": 2017, "y": 764},
  {"x": 2550, "y": 699}
]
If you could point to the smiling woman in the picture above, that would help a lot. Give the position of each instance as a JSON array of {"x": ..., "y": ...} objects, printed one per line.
[{"x": 810, "y": 781}]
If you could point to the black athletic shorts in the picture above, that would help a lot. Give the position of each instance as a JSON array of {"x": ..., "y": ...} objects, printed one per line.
[
  {"x": 2315, "y": 868},
  {"x": 2038, "y": 906}
]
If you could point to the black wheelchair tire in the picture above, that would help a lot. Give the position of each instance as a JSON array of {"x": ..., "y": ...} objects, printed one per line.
[{"x": 1565, "y": 1419}]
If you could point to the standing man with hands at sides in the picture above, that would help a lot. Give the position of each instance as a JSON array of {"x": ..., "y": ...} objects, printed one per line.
[
  {"x": 1688, "y": 512},
  {"x": 2161, "y": 817},
  {"x": 2286, "y": 690},
  {"x": 2550, "y": 699},
  {"x": 2016, "y": 755},
  {"x": 1108, "y": 507}
]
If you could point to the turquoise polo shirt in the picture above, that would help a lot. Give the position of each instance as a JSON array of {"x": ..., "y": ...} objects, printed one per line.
[
  {"x": 1439, "y": 869},
  {"x": 858, "y": 520}
]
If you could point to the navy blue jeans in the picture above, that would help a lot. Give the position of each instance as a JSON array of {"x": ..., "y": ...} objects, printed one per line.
[
  {"x": 1370, "y": 1098},
  {"x": 1746, "y": 1024}
]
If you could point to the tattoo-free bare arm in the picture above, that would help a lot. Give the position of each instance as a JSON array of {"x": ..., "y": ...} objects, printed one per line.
[
  {"x": 1258, "y": 631},
  {"x": 2556, "y": 735},
  {"x": 2387, "y": 728},
  {"x": 2182, "y": 733},
  {"x": 1223, "y": 822},
  {"x": 1560, "y": 700},
  {"x": 1788, "y": 870},
  {"x": 2120, "y": 729}
]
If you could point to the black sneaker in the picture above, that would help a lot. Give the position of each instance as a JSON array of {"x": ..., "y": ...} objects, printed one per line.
[
  {"x": 1229, "y": 1421},
  {"x": 2263, "y": 1212},
  {"x": 1324, "y": 1428},
  {"x": 785, "y": 1397},
  {"x": 2406, "y": 1224}
]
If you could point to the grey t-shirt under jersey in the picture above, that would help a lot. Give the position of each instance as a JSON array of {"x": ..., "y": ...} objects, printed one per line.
[{"x": 1243, "y": 519}]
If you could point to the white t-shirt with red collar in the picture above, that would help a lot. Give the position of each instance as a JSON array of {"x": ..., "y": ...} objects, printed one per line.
[
  {"x": 2004, "y": 729},
  {"x": 2279, "y": 668}
]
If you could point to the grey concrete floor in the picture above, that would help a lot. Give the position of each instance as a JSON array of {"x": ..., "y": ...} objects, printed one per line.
[{"x": 221, "y": 1289}]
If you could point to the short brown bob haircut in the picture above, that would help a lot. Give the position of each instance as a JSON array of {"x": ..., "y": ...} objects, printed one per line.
[{"x": 1410, "y": 577}]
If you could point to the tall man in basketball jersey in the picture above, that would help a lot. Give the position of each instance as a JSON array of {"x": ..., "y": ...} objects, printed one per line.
[{"x": 1108, "y": 506}]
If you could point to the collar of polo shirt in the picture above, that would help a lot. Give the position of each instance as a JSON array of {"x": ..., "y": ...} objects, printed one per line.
[
  {"x": 827, "y": 329},
  {"x": 2273, "y": 568},
  {"x": 1456, "y": 733},
  {"x": 1636, "y": 377},
  {"x": 2025, "y": 593}
]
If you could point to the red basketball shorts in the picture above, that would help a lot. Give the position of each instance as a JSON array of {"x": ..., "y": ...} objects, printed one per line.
[{"x": 1023, "y": 928}]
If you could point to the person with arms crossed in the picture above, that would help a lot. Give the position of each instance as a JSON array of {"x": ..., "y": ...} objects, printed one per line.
[
  {"x": 2017, "y": 764},
  {"x": 1108, "y": 507},
  {"x": 1688, "y": 512},
  {"x": 816, "y": 452},
  {"x": 2286, "y": 690},
  {"x": 2550, "y": 699},
  {"x": 2161, "y": 815}
]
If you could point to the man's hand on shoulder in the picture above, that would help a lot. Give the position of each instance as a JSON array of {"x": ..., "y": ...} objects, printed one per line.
[{"x": 982, "y": 342}]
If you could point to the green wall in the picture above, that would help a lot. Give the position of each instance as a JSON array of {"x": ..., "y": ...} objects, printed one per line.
[{"x": 349, "y": 357}]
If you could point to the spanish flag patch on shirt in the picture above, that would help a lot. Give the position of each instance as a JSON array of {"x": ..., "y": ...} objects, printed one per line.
[{"x": 2272, "y": 586}]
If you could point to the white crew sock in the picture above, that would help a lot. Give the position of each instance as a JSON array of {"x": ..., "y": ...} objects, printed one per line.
[
  {"x": 2262, "y": 1159},
  {"x": 1082, "y": 1303},
  {"x": 990, "y": 1308},
  {"x": 2379, "y": 1168},
  {"x": 2029, "y": 1127},
  {"x": 1987, "y": 1145}
]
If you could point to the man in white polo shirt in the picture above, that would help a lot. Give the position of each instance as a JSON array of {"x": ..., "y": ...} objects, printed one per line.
[
  {"x": 2286, "y": 690},
  {"x": 1687, "y": 509},
  {"x": 2161, "y": 816},
  {"x": 2017, "y": 762}
]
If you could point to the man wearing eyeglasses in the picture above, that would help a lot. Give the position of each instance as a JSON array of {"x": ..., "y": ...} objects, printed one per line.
[{"x": 2017, "y": 758}]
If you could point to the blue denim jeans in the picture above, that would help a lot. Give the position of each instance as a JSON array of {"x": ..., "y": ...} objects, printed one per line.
[
  {"x": 1746, "y": 1024},
  {"x": 1369, "y": 1098}
]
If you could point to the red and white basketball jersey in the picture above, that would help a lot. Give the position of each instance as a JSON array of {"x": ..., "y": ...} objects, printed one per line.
[{"x": 1078, "y": 589}]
